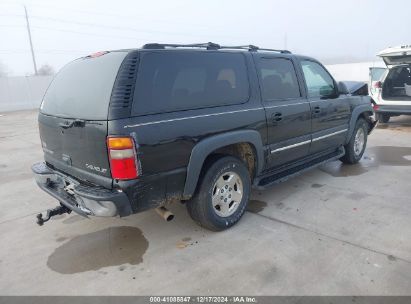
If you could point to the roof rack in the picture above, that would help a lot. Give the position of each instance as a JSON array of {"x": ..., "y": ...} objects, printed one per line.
[
  {"x": 208, "y": 45},
  {"x": 254, "y": 48},
  {"x": 212, "y": 46}
]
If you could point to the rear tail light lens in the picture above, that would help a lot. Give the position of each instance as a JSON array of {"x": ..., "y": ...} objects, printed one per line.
[
  {"x": 378, "y": 84},
  {"x": 375, "y": 107},
  {"x": 122, "y": 155}
]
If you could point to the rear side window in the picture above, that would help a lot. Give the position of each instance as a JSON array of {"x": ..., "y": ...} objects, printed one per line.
[
  {"x": 170, "y": 81},
  {"x": 318, "y": 80},
  {"x": 82, "y": 89},
  {"x": 376, "y": 73},
  {"x": 278, "y": 79}
]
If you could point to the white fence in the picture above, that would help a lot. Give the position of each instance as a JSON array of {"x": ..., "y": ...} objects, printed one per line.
[
  {"x": 353, "y": 71},
  {"x": 22, "y": 93}
]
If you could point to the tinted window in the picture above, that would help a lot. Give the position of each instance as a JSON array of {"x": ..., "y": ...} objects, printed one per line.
[
  {"x": 169, "y": 81},
  {"x": 82, "y": 89},
  {"x": 278, "y": 78},
  {"x": 319, "y": 82}
]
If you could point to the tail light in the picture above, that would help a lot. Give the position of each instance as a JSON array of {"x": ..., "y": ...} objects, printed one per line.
[
  {"x": 377, "y": 84},
  {"x": 122, "y": 155},
  {"x": 375, "y": 107}
]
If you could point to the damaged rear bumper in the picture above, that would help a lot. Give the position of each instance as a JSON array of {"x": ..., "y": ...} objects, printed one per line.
[{"x": 82, "y": 199}]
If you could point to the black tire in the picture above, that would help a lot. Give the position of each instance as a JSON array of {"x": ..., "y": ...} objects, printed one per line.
[
  {"x": 201, "y": 208},
  {"x": 384, "y": 118},
  {"x": 351, "y": 156}
]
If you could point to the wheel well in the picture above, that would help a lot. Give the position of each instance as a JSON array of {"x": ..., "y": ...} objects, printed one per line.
[
  {"x": 243, "y": 151},
  {"x": 366, "y": 117}
]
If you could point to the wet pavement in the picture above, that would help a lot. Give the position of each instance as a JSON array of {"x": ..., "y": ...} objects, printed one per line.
[
  {"x": 335, "y": 230},
  {"x": 111, "y": 246}
]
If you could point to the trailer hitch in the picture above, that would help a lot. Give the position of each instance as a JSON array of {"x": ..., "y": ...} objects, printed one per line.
[{"x": 50, "y": 213}]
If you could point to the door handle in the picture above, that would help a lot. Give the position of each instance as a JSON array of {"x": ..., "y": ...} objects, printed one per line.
[
  {"x": 317, "y": 110},
  {"x": 276, "y": 117}
]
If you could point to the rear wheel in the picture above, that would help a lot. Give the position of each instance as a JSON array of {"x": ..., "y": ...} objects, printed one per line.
[
  {"x": 356, "y": 146},
  {"x": 223, "y": 194},
  {"x": 384, "y": 118}
]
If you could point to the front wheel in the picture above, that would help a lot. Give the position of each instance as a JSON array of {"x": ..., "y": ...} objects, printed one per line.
[
  {"x": 356, "y": 146},
  {"x": 222, "y": 195}
]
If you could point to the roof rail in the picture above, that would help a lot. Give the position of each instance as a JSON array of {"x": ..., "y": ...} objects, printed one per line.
[
  {"x": 273, "y": 50},
  {"x": 253, "y": 48},
  {"x": 207, "y": 45},
  {"x": 212, "y": 46},
  {"x": 249, "y": 47}
]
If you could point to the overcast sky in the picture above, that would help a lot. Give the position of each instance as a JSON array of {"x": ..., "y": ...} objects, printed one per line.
[{"x": 334, "y": 31}]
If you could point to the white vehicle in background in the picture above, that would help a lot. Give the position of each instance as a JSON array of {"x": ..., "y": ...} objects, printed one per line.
[{"x": 390, "y": 88}]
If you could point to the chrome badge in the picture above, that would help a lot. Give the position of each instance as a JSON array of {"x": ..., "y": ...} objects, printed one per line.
[{"x": 95, "y": 168}]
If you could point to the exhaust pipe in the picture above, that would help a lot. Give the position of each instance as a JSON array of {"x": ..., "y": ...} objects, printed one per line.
[{"x": 164, "y": 213}]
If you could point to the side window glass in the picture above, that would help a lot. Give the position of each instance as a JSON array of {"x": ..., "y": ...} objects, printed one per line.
[
  {"x": 319, "y": 82},
  {"x": 173, "y": 81},
  {"x": 188, "y": 82},
  {"x": 278, "y": 79},
  {"x": 377, "y": 73}
]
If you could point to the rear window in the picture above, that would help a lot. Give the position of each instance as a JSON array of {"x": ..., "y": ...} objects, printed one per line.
[
  {"x": 82, "y": 89},
  {"x": 169, "y": 81}
]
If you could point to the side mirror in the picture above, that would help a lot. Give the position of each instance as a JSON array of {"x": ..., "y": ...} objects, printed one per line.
[{"x": 342, "y": 88}]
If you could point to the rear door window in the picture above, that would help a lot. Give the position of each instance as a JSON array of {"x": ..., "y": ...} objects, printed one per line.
[
  {"x": 171, "y": 81},
  {"x": 82, "y": 88},
  {"x": 278, "y": 79}
]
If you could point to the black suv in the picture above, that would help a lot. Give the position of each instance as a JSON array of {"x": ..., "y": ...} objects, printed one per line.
[{"x": 131, "y": 130}]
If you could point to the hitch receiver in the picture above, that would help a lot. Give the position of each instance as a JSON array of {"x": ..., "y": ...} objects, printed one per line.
[{"x": 50, "y": 213}]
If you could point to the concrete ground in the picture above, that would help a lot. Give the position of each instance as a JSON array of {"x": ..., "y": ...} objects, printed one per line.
[{"x": 336, "y": 230}]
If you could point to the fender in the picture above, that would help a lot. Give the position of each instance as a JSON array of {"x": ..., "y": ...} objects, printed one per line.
[
  {"x": 206, "y": 146},
  {"x": 358, "y": 110}
]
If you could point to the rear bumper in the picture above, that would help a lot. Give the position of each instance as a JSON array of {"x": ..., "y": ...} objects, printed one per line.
[
  {"x": 394, "y": 109},
  {"x": 84, "y": 200}
]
